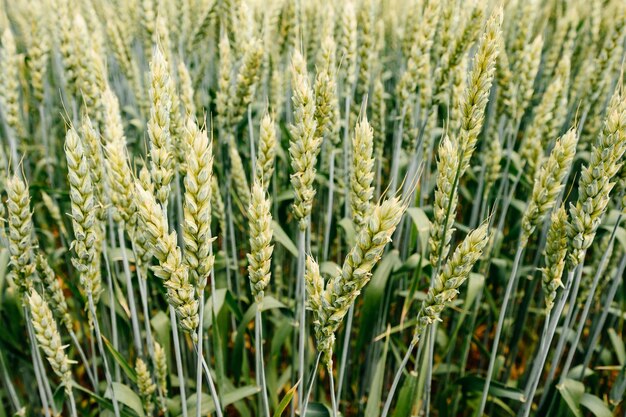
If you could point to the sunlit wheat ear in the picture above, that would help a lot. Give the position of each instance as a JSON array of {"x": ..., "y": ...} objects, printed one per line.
[
  {"x": 49, "y": 339},
  {"x": 161, "y": 154},
  {"x": 197, "y": 204},
  {"x": 362, "y": 172},
  {"x": 84, "y": 221},
  {"x": 596, "y": 181},
  {"x": 20, "y": 232},
  {"x": 304, "y": 145},
  {"x": 555, "y": 252},
  {"x": 266, "y": 158},
  {"x": 445, "y": 203},
  {"x": 180, "y": 293},
  {"x": 342, "y": 290},
  {"x": 476, "y": 94},
  {"x": 549, "y": 183},
  {"x": 261, "y": 248},
  {"x": 452, "y": 276},
  {"x": 145, "y": 385}
]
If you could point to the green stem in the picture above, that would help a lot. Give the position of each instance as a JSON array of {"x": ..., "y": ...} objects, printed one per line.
[
  {"x": 107, "y": 373},
  {"x": 496, "y": 339}
]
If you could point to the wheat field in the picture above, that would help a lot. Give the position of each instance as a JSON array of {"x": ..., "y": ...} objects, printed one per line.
[{"x": 379, "y": 208}]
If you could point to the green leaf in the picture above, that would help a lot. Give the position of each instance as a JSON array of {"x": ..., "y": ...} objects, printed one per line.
[
  {"x": 376, "y": 389},
  {"x": 281, "y": 237},
  {"x": 473, "y": 383},
  {"x": 373, "y": 296},
  {"x": 594, "y": 404},
  {"x": 128, "y": 370},
  {"x": 422, "y": 224},
  {"x": 237, "y": 357},
  {"x": 278, "y": 412},
  {"x": 618, "y": 346},
  {"x": 207, "y": 405},
  {"x": 348, "y": 228},
  {"x": 572, "y": 393},
  {"x": 104, "y": 402},
  {"x": 317, "y": 410},
  {"x": 128, "y": 397},
  {"x": 406, "y": 395}
]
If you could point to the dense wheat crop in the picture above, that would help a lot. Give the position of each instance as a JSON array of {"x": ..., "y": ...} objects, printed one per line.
[{"x": 379, "y": 208}]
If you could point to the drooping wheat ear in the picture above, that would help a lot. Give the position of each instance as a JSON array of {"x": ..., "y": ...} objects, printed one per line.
[
  {"x": 326, "y": 100},
  {"x": 545, "y": 122},
  {"x": 596, "y": 180},
  {"x": 247, "y": 79},
  {"x": 451, "y": 277},
  {"x": 238, "y": 174},
  {"x": 10, "y": 84},
  {"x": 304, "y": 145},
  {"x": 555, "y": 252},
  {"x": 525, "y": 74},
  {"x": 38, "y": 53},
  {"x": 49, "y": 339},
  {"x": 54, "y": 292},
  {"x": 266, "y": 152},
  {"x": 145, "y": 385},
  {"x": 116, "y": 160},
  {"x": 342, "y": 290},
  {"x": 180, "y": 292},
  {"x": 160, "y": 368},
  {"x": 21, "y": 242},
  {"x": 161, "y": 153},
  {"x": 549, "y": 183},
  {"x": 223, "y": 96},
  {"x": 261, "y": 248},
  {"x": 347, "y": 47},
  {"x": 362, "y": 172},
  {"x": 84, "y": 219},
  {"x": 477, "y": 92},
  {"x": 197, "y": 205},
  {"x": 186, "y": 90},
  {"x": 446, "y": 196}
]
